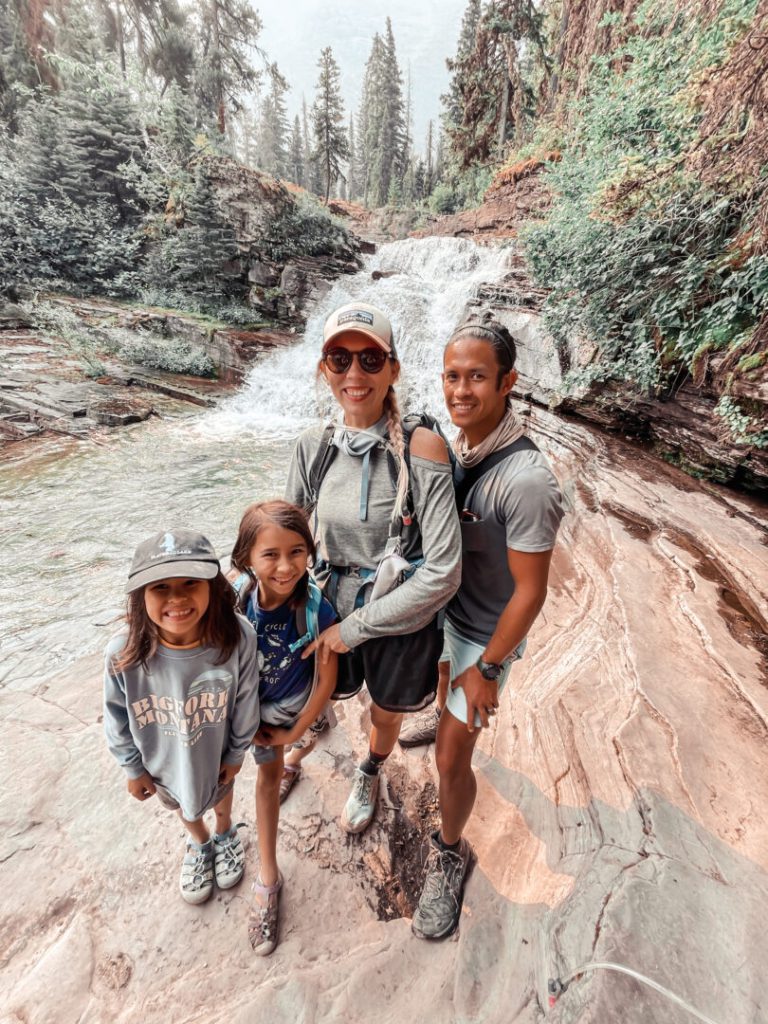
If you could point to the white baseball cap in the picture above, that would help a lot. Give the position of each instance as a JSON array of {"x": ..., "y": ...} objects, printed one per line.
[{"x": 362, "y": 319}]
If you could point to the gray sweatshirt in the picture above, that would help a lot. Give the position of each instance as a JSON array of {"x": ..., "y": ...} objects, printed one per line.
[
  {"x": 183, "y": 716},
  {"x": 344, "y": 540}
]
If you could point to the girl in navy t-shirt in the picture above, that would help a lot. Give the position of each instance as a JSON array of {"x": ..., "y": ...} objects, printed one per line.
[{"x": 272, "y": 553}]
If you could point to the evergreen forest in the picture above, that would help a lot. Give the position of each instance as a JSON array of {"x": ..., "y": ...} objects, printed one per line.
[{"x": 646, "y": 121}]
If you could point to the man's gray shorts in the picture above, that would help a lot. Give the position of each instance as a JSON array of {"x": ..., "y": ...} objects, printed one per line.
[{"x": 462, "y": 652}]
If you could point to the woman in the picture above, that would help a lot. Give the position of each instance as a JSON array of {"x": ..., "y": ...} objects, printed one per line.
[{"x": 377, "y": 489}]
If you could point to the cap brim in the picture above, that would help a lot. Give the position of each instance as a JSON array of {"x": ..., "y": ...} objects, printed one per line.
[
  {"x": 196, "y": 570},
  {"x": 356, "y": 329}
]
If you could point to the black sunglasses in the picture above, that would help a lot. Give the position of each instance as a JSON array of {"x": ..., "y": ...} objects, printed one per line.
[{"x": 370, "y": 360}]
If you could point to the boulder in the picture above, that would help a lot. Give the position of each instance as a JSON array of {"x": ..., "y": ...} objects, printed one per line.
[{"x": 118, "y": 412}]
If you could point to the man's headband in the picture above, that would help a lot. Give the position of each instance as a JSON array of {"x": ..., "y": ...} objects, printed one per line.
[{"x": 477, "y": 326}]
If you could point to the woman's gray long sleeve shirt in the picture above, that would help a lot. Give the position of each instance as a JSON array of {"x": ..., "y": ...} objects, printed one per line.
[{"x": 346, "y": 540}]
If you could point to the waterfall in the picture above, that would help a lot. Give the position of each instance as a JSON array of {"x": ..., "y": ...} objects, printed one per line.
[
  {"x": 427, "y": 286},
  {"x": 202, "y": 471}
]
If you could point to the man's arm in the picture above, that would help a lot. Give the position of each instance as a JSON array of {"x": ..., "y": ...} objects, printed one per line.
[{"x": 530, "y": 571}]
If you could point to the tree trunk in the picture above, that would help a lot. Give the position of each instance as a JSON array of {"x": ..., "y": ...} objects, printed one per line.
[
  {"x": 219, "y": 83},
  {"x": 503, "y": 117}
]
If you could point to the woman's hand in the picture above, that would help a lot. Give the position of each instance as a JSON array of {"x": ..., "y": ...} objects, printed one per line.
[{"x": 329, "y": 642}]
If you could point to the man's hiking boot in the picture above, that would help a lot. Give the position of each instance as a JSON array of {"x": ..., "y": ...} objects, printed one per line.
[
  {"x": 437, "y": 915},
  {"x": 361, "y": 805},
  {"x": 420, "y": 729}
]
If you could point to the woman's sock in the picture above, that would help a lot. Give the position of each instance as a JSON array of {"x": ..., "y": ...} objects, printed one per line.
[{"x": 372, "y": 763}]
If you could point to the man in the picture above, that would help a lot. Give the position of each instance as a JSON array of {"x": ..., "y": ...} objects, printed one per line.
[{"x": 510, "y": 508}]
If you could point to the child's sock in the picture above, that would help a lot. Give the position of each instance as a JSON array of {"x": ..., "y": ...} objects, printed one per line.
[
  {"x": 372, "y": 763},
  {"x": 200, "y": 846}
]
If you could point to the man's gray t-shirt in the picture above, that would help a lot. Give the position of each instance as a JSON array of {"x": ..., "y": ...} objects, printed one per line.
[{"x": 518, "y": 505}]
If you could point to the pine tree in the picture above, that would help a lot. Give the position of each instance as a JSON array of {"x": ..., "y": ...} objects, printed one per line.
[
  {"x": 453, "y": 100},
  {"x": 369, "y": 122},
  {"x": 352, "y": 185},
  {"x": 382, "y": 136},
  {"x": 331, "y": 145},
  {"x": 192, "y": 259},
  {"x": 229, "y": 30},
  {"x": 429, "y": 167},
  {"x": 311, "y": 169},
  {"x": 420, "y": 190},
  {"x": 394, "y": 129},
  {"x": 272, "y": 154},
  {"x": 296, "y": 154},
  {"x": 488, "y": 98}
]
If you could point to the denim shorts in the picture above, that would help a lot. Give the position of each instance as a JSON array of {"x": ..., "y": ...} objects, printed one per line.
[{"x": 462, "y": 652}]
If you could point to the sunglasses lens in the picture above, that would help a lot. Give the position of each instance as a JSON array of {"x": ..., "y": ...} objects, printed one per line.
[
  {"x": 339, "y": 360},
  {"x": 372, "y": 359}
]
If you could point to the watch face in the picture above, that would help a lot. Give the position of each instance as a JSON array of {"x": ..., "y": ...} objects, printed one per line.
[{"x": 490, "y": 671}]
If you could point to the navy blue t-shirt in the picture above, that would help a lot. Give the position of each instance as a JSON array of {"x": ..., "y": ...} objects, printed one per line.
[{"x": 283, "y": 674}]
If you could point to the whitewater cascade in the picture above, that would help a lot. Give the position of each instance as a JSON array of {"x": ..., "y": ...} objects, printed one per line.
[{"x": 431, "y": 281}]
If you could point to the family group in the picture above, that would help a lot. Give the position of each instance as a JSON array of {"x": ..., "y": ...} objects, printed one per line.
[{"x": 392, "y": 562}]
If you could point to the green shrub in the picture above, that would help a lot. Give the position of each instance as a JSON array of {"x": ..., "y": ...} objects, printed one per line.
[
  {"x": 306, "y": 229},
  {"x": 639, "y": 255},
  {"x": 172, "y": 354}
]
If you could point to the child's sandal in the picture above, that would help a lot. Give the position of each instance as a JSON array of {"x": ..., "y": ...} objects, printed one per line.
[
  {"x": 263, "y": 918},
  {"x": 291, "y": 773}
]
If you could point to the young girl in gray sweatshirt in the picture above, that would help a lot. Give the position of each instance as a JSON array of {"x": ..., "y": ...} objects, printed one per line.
[{"x": 181, "y": 701}]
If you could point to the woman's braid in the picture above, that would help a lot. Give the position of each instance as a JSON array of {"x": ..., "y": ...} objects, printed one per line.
[{"x": 397, "y": 440}]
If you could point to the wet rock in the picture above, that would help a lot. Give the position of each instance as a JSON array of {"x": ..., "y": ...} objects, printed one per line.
[
  {"x": 119, "y": 412},
  {"x": 233, "y": 351},
  {"x": 265, "y": 274},
  {"x": 13, "y": 318},
  {"x": 618, "y": 817}
]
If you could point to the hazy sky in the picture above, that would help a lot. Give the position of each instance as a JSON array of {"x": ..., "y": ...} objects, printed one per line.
[{"x": 426, "y": 32}]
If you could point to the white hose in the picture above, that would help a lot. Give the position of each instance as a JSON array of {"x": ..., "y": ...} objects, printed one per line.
[{"x": 607, "y": 966}]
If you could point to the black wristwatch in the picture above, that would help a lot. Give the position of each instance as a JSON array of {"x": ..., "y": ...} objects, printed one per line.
[{"x": 488, "y": 669}]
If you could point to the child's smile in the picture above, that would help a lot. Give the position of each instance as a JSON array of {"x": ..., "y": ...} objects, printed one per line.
[
  {"x": 177, "y": 607},
  {"x": 279, "y": 560}
]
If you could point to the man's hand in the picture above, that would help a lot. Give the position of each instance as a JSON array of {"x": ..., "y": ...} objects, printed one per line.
[
  {"x": 142, "y": 788},
  {"x": 327, "y": 643},
  {"x": 228, "y": 772},
  {"x": 482, "y": 696}
]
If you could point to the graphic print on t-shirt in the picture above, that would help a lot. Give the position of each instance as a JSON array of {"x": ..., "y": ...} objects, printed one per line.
[
  {"x": 205, "y": 705},
  {"x": 283, "y": 674}
]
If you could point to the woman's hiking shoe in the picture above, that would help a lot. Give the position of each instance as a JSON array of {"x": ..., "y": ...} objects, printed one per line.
[
  {"x": 196, "y": 881},
  {"x": 361, "y": 805},
  {"x": 291, "y": 773},
  {"x": 264, "y": 917},
  {"x": 437, "y": 915},
  {"x": 420, "y": 729},
  {"x": 228, "y": 858}
]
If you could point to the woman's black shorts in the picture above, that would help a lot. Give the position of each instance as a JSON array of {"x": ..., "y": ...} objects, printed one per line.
[{"x": 400, "y": 671}]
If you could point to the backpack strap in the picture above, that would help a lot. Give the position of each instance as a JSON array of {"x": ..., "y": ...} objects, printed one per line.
[
  {"x": 242, "y": 586},
  {"x": 326, "y": 453},
  {"x": 308, "y": 617},
  {"x": 465, "y": 479}
]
